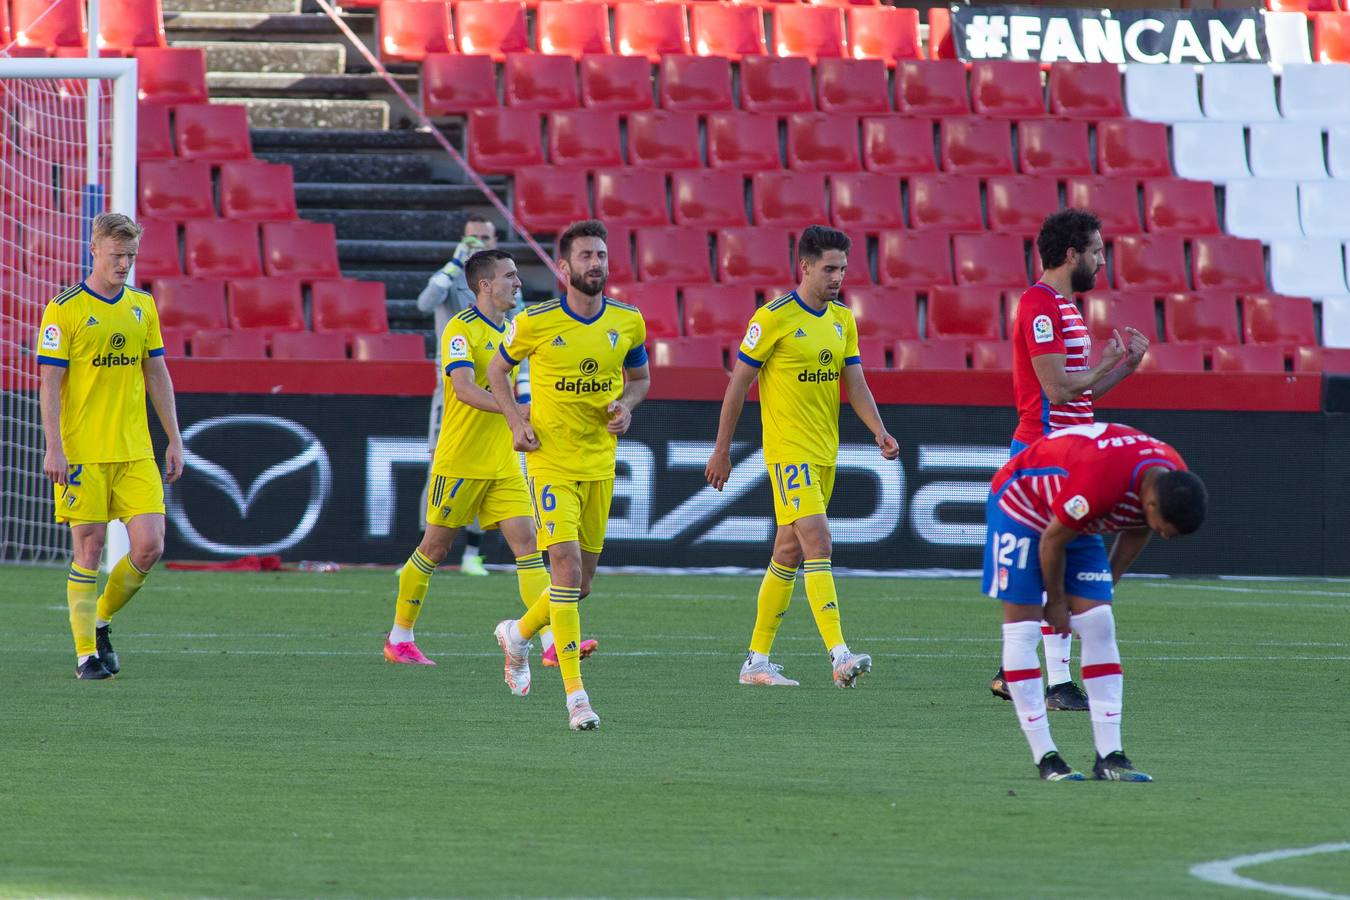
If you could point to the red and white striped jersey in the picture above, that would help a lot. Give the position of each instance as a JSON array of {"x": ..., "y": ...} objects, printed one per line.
[
  {"x": 1087, "y": 476},
  {"x": 1047, "y": 322}
]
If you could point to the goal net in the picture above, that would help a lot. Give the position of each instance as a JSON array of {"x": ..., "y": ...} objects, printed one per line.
[{"x": 67, "y": 153}]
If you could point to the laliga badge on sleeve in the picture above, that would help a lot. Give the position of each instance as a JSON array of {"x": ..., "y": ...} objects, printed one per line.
[
  {"x": 752, "y": 336},
  {"x": 1076, "y": 506},
  {"x": 459, "y": 348},
  {"x": 51, "y": 338},
  {"x": 1042, "y": 330}
]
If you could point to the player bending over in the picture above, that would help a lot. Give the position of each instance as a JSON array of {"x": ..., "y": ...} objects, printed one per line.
[
  {"x": 799, "y": 347},
  {"x": 101, "y": 353},
  {"x": 1085, "y": 479}
]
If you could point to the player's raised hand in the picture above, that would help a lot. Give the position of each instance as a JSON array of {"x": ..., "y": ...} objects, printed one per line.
[
  {"x": 1136, "y": 347},
  {"x": 620, "y": 417},
  {"x": 173, "y": 463},
  {"x": 890, "y": 448},
  {"x": 523, "y": 438},
  {"x": 54, "y": 465},
  {"x": 719, "y": 468},
  {"x": 1115, "y": 350}
]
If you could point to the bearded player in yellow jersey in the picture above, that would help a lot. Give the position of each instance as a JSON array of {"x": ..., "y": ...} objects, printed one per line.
[
  {"x": 100, "y": 352},
  {"x": 588, "y": 372},
  {"x": 799, "y": 347}
]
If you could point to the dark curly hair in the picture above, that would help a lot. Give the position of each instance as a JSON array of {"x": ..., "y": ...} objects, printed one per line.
[
  {"x": 1182, "y": 500},
  {"x": 1062, "y": 230},
  {"x": 585, "y": 228},
  {"x": 816, "y": 239}
]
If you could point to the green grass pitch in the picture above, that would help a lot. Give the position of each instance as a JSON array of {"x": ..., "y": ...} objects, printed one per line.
[{"x": 257, "y": 745}]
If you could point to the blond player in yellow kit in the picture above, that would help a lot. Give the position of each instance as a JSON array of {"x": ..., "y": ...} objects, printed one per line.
[
  {"x": 100, "y": 353},
  {"x": 800, "y": 347},
  {"x": 588, "y": 372}
]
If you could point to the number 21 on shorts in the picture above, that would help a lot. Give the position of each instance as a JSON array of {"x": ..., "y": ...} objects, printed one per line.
[{"x": 1006, "y": 547}]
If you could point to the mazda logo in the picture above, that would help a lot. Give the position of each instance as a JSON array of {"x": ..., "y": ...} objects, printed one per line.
[{"x": 251, "y": 434}]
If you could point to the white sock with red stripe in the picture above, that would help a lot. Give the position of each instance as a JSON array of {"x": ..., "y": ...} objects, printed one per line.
[
  {"x": 1056, "y": 655},
  {"x": 1022, "y": 674},
  {"x": 1102, "y": 678}
]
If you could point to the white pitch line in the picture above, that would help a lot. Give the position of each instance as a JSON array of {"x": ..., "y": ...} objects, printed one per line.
[
  {"x": 1228, "y": 589},
  {"x": 1224, "y": 872}
]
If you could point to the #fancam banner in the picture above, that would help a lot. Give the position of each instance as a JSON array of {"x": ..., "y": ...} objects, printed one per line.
[{"x": 1119, "y": 36}]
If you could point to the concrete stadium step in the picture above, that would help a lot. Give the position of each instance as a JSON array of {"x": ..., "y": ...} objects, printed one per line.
[
  {"x": 310, "y": 84},
  {"x": 276, "y": 56},
  {"x": 251, "y": 25},
  {"x": 363, "y": 195},
  {"x": 355, "y": 168},
  {"x": 324, "y": 140},
  {"x": 235, "y": 6},
  {"x": 390, "y": 224},
  {"x": 397, "y": 282},
  {"x": 278, "y": 112}
]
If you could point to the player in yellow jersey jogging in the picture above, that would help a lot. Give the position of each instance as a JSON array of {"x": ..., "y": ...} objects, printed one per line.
[
  {"x": 799, "y": 347},
  {"x": 588, "y": 372},
  {"x": 100, "y": 353}
]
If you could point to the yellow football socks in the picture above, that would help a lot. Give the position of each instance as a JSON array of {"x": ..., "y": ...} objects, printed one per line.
[
  {"x": 123, "y": 583},
  {"x": 536, "y": 618},
  {"x": 413, "y": 582},
  {"x": 824, "y": 601},
  {"x": 566, "y": 619},
  {"x": 533, "y": 580},
  {"x": 775, "y": 593},
  {"x": 82, "y": 598}
]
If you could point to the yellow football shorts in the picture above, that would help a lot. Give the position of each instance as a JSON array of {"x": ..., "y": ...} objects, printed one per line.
[
  {"x": 101, "y": 492},
  {"x": 454, "y": 502},
  {"x": 571, "y": 511},
  {"x": 800, "y": 490}
]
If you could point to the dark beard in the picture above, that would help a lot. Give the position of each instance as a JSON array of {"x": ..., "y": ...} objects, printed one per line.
[
  {"x": 1082, "y": 280},
  {"x": 583, "y": 283}
]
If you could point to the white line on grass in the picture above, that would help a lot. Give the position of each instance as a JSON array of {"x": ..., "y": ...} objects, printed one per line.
[
  {"x": 1224, "y": 872},
  {"x": 1228, "y": 589}
]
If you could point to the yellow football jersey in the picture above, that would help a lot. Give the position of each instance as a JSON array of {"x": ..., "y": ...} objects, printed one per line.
[
  {"x": 576, "y": 371},
  {"x": 102, "y": 342},
  {"x": 801, "y": 355},
  {"x": 473, "y": 444}
]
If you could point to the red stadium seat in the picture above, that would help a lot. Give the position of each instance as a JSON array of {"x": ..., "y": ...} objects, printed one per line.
[
  {"x": 128, "y": 24},
  {"x": 754, "y": 256},
  {"x": 1053, "y": 147},
  {"x": 1224, "y": 263},
  {"x": 194, "y": 303},
  {"x": 1173, "y": 358},
  {"x": 674, "y": 254},
  {"x": 924, "y": 355},
  {"x": 991, "y": 355},
  {"x": 308, "y": 345},
  {"x": 503, "y": 140},
  {"x": 1332, "y": 360},
  {"x": 229, "y": 344},
  {"x": 776, "y": 85},
  {"x": 945, "y": 203},
  {"x": 973, "y": 146},
  {"x": 934, "y": 88},
  {"x": 572, "y": 29},
  {"x": 1006, "y": 88},
  {"x": 708, "y": 198},
  {"x": 1331, "y": 37},
  {"x": 1019, "y": 205},
  {"x": 852, "y": 86},
  {"x": 1178, "y": 206},
  {"x": 1132, "y": 147},
  {"x": 176, "y": 189},
  {"x": 257, "y": 191},
  {"x": 884, "y": 312},
  {"x": 1086, "y": 90},
  {"x": 1154, "y": 262},
  {"x": 410, "y": 29},
  {"x": 619, "y": 83},
  {"x": 533, "y": 81},
  {"x": 300, "y": 249},
  {"x": 718, "y": 310},
  {"x": 158, "y": 256},
  {"x": 652, "y": 30},
  {"x": 664, "y": 140},
  {"x": 154, "y": 138},
  {"x": 172, "y": 74},
  {"x": 175, "y": 342},
  {"x": 492, "y": 27},
  {"x": 696, "y": 83},
  {"x": 1211, "y": 318},
  {"x": 1274, "y": 319},
  {"x": 940, "y": 43},
  {"x": 631, "y": 196},
  {"x": 865, "y": 201},
  {"x": 212, "y": 131},
  {"x": 269, "y": 304},
  {"x": 721, "y": 29},
  {"x": 1114, "y": 200},
  {"x": 1106, "y": 313},
  {"x": 5, "y": 33},
  {"x": 549, "y": 198},
  {"x": 1249, "y": 358},
  {"x": 584, "y": 137},
  {"x": 969, "y": 312},
  {"x": 787, "y": 199},
  {"x": 989, "y": 259},
  {"x": 886, "y": 33},
  {"x": 64, "y": 26},
  {"x": 388, "y": 347},
  {"x": 914, "y": 258},
  {"x": 686, "y": 353},
  {"x": 620, "y": 246},
  {"x": 820, "y": 142},
  {"x": 742, "y": 142},
  {"x": 898, "y": 145},
  {"x": 1303, "y": 6},
  {"x": 813, "y": 32},
  {"x": 349, "y": 306},
  {"x": 454, "y": 84},
  {"x": 660, "y": 310}
]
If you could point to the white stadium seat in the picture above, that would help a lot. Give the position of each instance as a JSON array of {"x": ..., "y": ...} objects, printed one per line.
[
  {"x": 1162, "y": 93},
  {"x": 1336, "y": 321},
  {"x": 1287, "y": 150},
  {"x": 1317, "y": 92},
  {"x": 1312, "y": 267},
  {"x": 1210, "y": 151},
  {"x": 1264, "y": 210},
  {"x": 1287, "y": 38},
  {"x": 1324, "y": 208},
  {"x": 1338, "y": 151},
  {"x": 1239, "y": 92}
]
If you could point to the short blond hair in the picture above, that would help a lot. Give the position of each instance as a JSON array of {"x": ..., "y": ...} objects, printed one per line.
[{"x": 117, "y": 226}]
